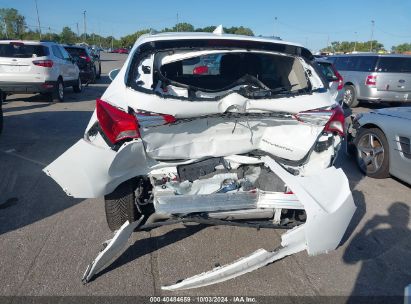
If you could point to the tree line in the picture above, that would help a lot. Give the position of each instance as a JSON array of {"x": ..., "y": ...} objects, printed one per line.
[{"x": 13, "y": 26}]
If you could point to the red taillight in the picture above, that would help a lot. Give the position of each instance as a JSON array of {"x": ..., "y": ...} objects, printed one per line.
[
  {"x": 340, "y": 79},
  {"x": 116, "y": 124},
  {"x": 371, "y": 80},
  {"x": 336, "y": 122},
  {"x": 333, "y": 119},
  {"x": 202, "y": 69},
  {"x": 86, "y": 58},
  {"x": 44, "y": 63}
]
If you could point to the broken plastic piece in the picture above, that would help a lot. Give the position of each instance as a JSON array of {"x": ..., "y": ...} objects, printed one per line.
[
  {"x": 256, "y": 260},
  {"x": 111, "y": 249}
]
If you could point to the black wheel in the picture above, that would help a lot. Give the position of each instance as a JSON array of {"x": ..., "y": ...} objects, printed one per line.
[
  {"x": 350, "y": 97},
  {"x": 58, "y": 93},
  {"x": 78, "y": 87},
  {"x": 372, "y": 152},
  {"x": 98, "y": 76},
  {"x": 120, "y": 206},
  {"x": 93, "y": 75}
]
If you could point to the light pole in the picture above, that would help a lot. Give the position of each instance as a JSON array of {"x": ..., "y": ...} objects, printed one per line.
[
  {"x": 275, "y": 23},
  {"x": 38, "y": 18},
  {"x": 372, "y": 33},
  {"x": 355, "y": 42},
  {"x": 85, "y": 26}
]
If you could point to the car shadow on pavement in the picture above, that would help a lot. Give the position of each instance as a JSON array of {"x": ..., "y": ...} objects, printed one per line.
[
  {"x": 31, "y": 141},
  {"x": 150, "y": 245},
  {"x": 383, "y": 246}
]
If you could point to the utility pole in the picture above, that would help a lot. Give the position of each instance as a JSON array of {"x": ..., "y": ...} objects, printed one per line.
[
  {"x": 5, "y": 28},
  {"x": 78, "y": 31},
  {"x": 355, "y": 42},
  {"x": 372, "y": 33},
  {"x": 177, "y": 22},
  {"x": 328, "y": 41},
  {"x": 275, "y": 21},
  {"x": 38, "y": 18},
  {"x": 85, "y": 26}
]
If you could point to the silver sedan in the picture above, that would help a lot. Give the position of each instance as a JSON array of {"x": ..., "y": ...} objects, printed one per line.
[{"x": 382, "y": 142}]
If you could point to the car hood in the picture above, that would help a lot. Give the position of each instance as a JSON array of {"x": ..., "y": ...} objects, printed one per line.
[{"x": 400, "y": 112}]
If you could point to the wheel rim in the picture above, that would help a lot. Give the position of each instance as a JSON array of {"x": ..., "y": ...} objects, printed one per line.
[
  {"x": 348, "y": 96},
  {"x": 370, "y": 153},
  {"x": 61, "y": 90}
]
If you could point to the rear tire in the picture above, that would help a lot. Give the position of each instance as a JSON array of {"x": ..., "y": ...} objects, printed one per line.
[
  {"x": 120, "y": 206},
  {"x": 93, "y": 75},
  {"x": 350, "y": 97},
  {"x": 98, "y": 76},
  {"x": 58, "y": 92},
  {"x": 78, "y": 87}
]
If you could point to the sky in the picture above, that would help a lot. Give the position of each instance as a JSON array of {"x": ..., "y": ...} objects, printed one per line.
[{"x": 311, "y": 23}]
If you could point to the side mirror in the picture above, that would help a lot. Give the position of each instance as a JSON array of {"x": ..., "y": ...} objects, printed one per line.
[{"x": 113, "y": 74}]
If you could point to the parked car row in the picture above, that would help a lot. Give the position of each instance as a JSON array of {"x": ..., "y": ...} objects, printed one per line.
[
  {"x": 44, "y": 67},
  {"x": 120, "y": 51}
]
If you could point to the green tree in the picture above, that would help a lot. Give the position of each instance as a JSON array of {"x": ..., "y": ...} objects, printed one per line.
[
  {"x": 12, "y": 24},
  {"x": 244, "y": 31},
  {"x": 129, "y": 40},
  {"x": 350, "y": 46},
  {"x": 401, "y": 48},
  {"x": 68, "y": 36}
]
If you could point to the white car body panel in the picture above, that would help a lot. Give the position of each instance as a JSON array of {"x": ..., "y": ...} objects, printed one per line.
[
  {"x": 221, "y": 128},
  {"x": 322, "y": 232}
]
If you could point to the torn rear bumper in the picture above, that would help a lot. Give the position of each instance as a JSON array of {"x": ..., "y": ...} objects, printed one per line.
[{"x": 329, "y": 205}]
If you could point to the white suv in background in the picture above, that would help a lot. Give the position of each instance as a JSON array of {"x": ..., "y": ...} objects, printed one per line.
[{"x": 37, "y": 67}]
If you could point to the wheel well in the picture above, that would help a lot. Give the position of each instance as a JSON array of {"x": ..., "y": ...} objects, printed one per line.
[
  {"x": 371, "y": 126},
  {"x": 60, "y": 78},
  {"x": 348, "y": 83}
]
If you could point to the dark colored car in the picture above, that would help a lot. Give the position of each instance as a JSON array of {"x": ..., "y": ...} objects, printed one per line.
[
  {"x": 121, "y": 51},
  {"x": 89, "y": 64}
]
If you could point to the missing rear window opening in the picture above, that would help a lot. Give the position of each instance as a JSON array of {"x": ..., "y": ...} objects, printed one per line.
[{"x": 246, "y": 72}]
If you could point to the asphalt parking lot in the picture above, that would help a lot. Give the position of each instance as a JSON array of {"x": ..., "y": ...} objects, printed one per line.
[{"x": 47, "y": 239}]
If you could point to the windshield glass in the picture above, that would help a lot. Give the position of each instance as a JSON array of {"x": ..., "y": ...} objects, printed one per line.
[{"x": 394, "y": 64}]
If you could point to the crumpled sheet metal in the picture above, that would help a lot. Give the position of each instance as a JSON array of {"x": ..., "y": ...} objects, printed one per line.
[
  {"x": 329, "y": 206},
  {"x": 222, "y": 136},
  {"x": 327, "y": 200}
]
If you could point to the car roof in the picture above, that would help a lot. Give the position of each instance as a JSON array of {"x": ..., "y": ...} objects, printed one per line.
[
  {"x": 74, "y": 46},
  {"x": 371, "y": 54},
  {"x": 202, "y": 35},
  {"x": 35, "y": 42},
  {"x": 168, "y": 38}
]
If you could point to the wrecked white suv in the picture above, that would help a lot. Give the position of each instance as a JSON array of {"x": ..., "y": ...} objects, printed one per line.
[{"x": 250, "y": 144}]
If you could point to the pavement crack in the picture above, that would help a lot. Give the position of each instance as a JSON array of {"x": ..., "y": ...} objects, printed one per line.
[{"x": 154, "y": 267}]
